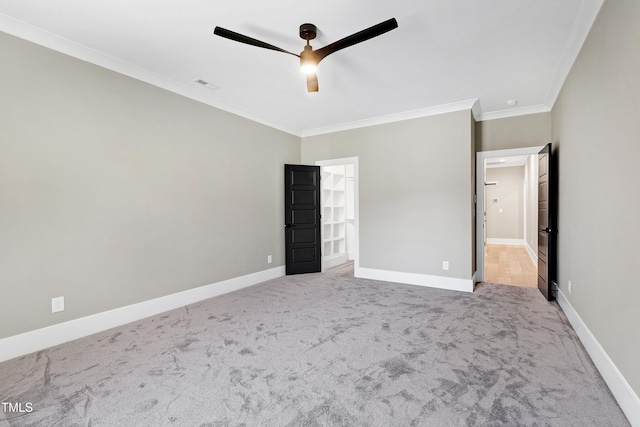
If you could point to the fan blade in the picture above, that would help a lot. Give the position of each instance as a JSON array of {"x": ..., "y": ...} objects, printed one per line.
[
  {"x": 356, "y": 38},
  {"x": 312, "y": 82},
  {"x": 232, "y": 35}
]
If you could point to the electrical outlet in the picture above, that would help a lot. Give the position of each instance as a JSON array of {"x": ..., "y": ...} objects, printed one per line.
[
  {"x": 57, "y": 304},
  {"x": 445, "y": 265},
  {"x": 269, "y": 259},
  {"x": 569, "y": 286}
]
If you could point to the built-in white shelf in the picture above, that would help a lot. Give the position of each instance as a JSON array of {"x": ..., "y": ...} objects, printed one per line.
[{"x": 333, "y": 214}]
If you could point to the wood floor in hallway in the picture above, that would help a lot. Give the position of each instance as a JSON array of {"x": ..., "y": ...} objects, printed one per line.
[{"x": 509, "y": 265}]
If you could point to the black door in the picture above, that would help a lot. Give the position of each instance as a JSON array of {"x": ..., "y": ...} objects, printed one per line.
[
  {"x": 546, "y": 223},
  {"x": 302, "y": 219}
]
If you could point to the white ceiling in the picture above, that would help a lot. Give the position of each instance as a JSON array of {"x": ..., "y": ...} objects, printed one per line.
[{"x": 445, "y": 54}]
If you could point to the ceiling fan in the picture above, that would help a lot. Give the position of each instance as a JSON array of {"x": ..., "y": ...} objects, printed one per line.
[{"x": 309, "y": 58}]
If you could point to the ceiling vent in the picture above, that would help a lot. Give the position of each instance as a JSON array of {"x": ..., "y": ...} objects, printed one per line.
[{"x": 205, "y": 84}]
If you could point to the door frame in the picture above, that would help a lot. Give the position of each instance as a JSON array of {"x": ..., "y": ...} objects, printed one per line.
[
  {"x": 481, "y": 156},
  {"x": 356, "y": 210}
]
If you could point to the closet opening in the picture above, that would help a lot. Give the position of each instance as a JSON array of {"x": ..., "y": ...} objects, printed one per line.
[{"x": 339, "y": 212}]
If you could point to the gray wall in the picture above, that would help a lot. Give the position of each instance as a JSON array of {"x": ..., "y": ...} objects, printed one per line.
[
  {"x": 113, "y": 191},
  {"x": 531, "y": 130},
  {"x": 415, "y": 192},
  {"x": 508, "y": 224},
  {"x": 597, "y": 132}
]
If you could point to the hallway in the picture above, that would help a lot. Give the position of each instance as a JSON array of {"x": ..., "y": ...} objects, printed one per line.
[{"x": 509, "y": 265}]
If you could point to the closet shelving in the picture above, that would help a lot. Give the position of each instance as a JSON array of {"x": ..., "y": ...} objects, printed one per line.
[{"x": 333, "y": 215}]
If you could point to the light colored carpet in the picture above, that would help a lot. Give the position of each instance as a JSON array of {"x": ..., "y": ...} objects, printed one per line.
[{"x": 323, "y": 349}]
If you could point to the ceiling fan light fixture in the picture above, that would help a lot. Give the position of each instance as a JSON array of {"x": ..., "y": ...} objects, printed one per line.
[
  {"x": 309, "y": 59},
  {"x": 308, "y": 68},
  {"x": 308, "y": 63}
]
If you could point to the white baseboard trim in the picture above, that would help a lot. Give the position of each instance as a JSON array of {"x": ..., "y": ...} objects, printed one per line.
[
  {"x": 622, "y": 391},
  {"x": 532, "y": 253},
  {"x": 440, "y": 282},
  {"x": 497, "y": 241},
  {"x": 39, "y": 339},
  {"x": 333, "y": 261}
]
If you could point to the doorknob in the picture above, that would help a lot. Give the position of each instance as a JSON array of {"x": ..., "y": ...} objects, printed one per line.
[
  {"x": 288, "y": 226},
  {"x": 547, "y": 230}
]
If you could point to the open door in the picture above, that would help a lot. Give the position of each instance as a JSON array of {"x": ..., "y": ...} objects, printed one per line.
[
  {"x": 302, "y": 219},
  {"x": 546, "y": 223}
]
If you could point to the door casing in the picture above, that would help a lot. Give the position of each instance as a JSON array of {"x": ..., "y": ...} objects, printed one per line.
[{"x": 481, "y": 156}]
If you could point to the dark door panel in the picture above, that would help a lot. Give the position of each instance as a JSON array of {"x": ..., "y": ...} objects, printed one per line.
[
  {"x": 305, "y": 216},
  {"x": 546, "y": 223},
  {"x": 305, "y": 235},
  {"x": 302, "y": 219},
  {"x": 304, "y": 255}
]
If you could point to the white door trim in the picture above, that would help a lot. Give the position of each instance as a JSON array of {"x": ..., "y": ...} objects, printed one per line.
[{"x": 481, "y": 156}]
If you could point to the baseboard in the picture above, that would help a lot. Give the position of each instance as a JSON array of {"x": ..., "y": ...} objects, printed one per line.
[
  {"x": 440, "y": 282},
  {"x": 331, "y": 262},
  {"x": 532, "y": 253},
  {"x": 28, "y": 342},
  {"x": 513, "y": 242},
  {"x": 622, "y": 391}
]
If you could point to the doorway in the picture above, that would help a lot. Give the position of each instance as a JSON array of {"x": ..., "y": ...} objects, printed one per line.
[
  {"x": 506, "y": 227},
  {"x": 339, "y": 200}
]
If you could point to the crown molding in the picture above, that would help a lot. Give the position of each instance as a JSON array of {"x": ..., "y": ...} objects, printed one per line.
[
  {"x": 584, "y": 21},
  {"x": 513, "y": 112},
  {"x": 397, "y": 117}
]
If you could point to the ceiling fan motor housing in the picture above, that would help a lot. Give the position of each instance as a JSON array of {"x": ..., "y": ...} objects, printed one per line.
[{"x": 308, "y": 31}]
